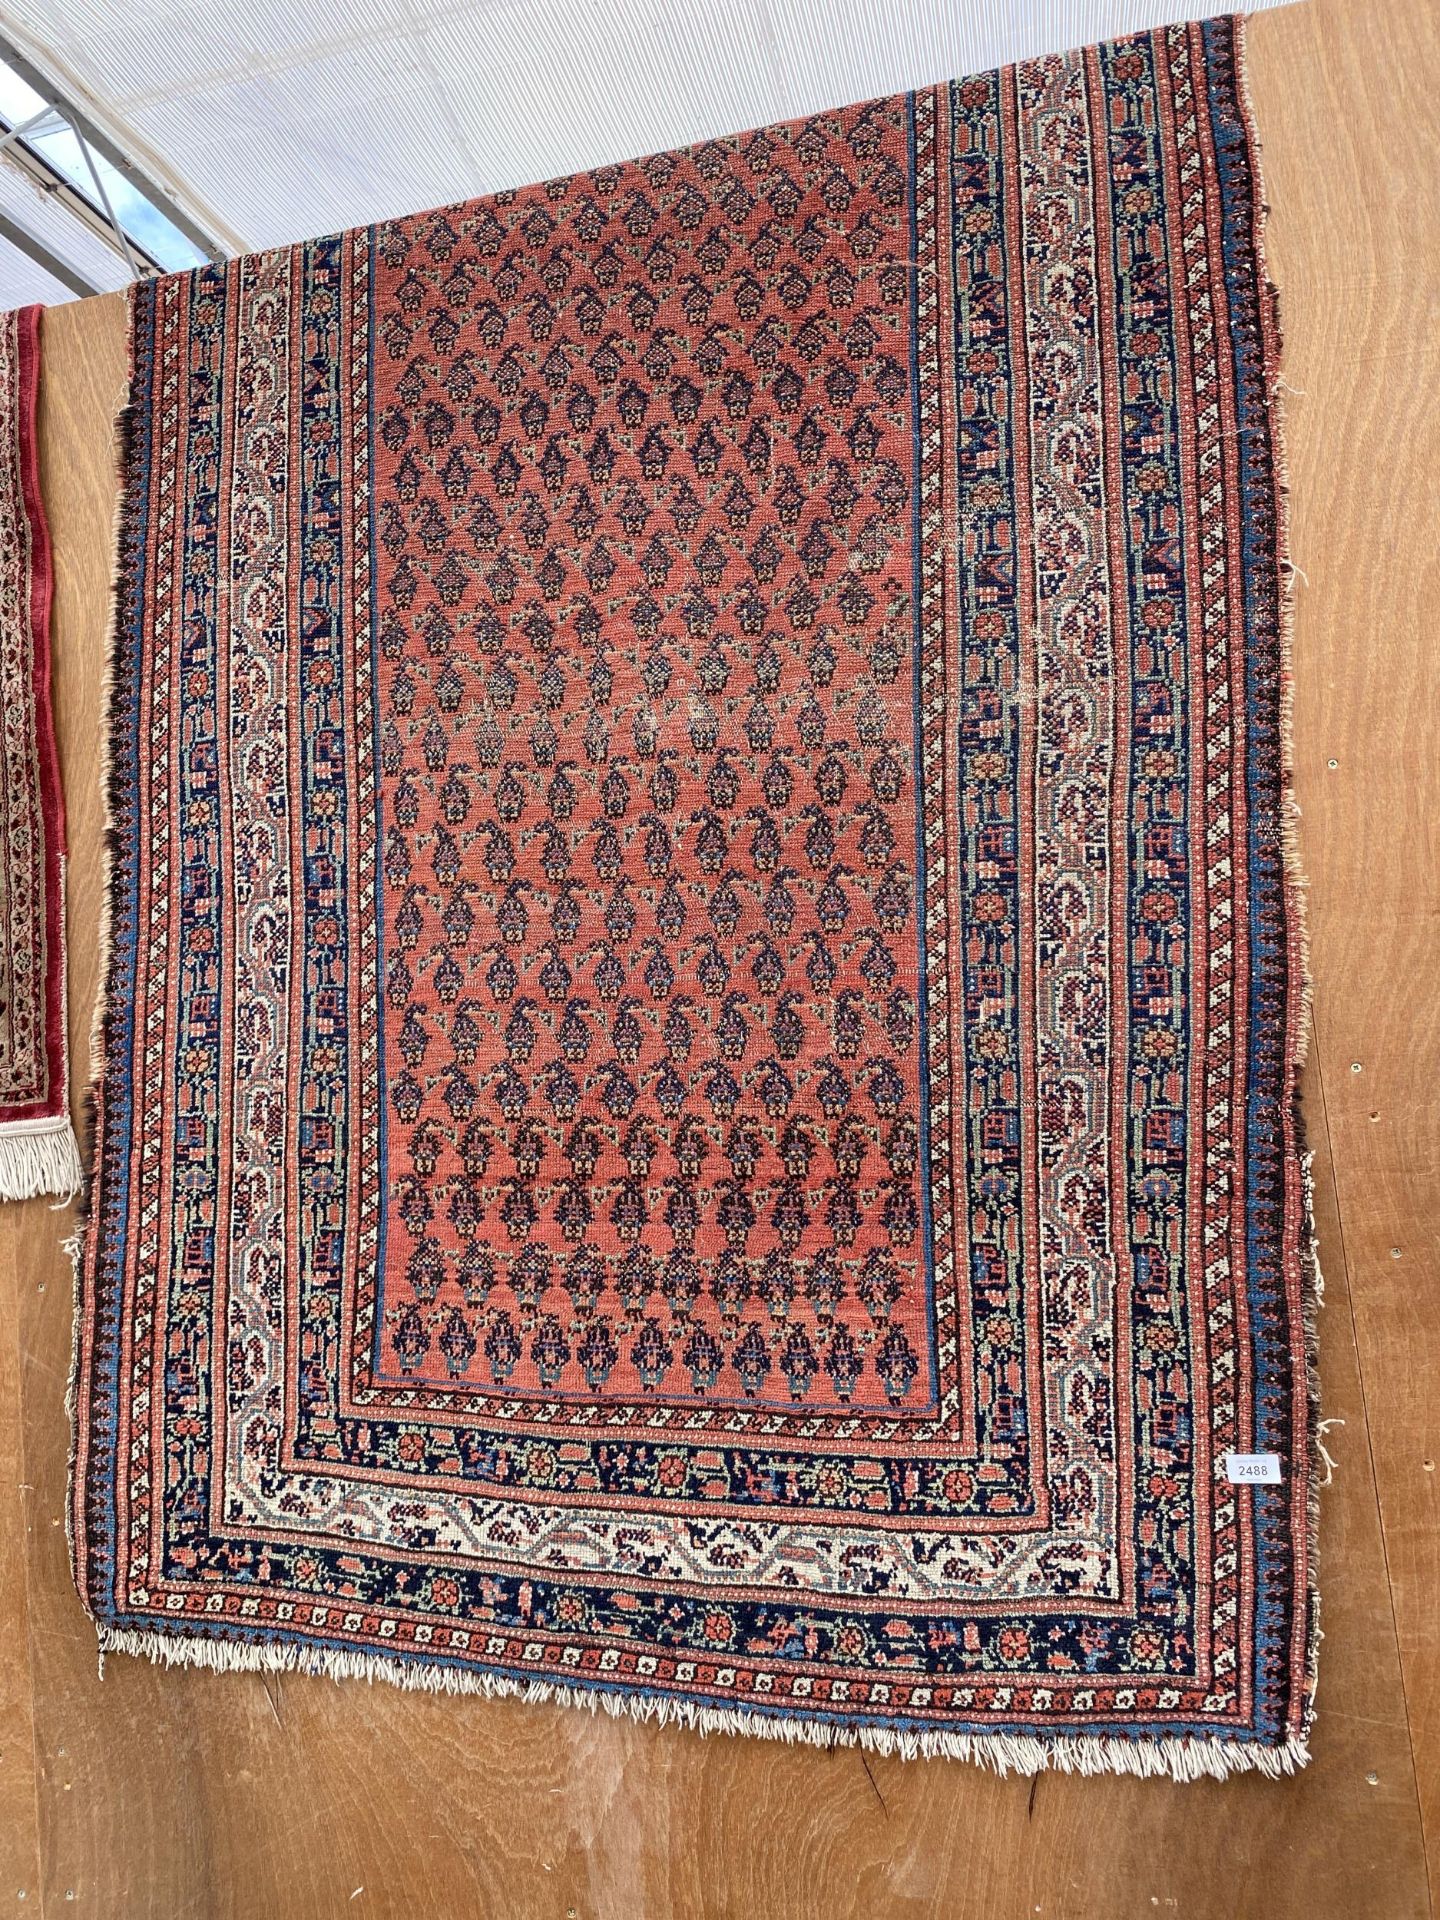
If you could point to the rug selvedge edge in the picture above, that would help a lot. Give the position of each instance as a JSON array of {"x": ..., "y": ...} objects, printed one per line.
[
  {"x": 1311, "y": 1277},
  {"x": 83, "y": 1239}
]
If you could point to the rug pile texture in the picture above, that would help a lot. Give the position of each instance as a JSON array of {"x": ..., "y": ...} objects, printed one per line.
[
  {"x": 695, "y": 1103},
  {"x": 38, "y": 1152}
]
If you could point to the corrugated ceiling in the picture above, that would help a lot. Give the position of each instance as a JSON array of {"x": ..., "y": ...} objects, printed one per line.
[
  {"x": 280, "y": 119},
  {"x": 62, "y": 234}
]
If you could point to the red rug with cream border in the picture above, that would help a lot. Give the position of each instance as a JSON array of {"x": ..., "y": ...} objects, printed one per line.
[{"x": 38, "y": 1153}]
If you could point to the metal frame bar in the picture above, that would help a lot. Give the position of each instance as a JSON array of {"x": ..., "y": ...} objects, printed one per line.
[
  {"x": 27, "y": 128},
  {"x": 120, "y": 234},
  {"x": 61, "y": 191},
  {"x": 91, "y": 136}
]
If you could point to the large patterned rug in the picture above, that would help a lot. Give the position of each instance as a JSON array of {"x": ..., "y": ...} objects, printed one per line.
[
  {"x": 38, "y": 1153},
  {"x": 696, "y": 1105}
]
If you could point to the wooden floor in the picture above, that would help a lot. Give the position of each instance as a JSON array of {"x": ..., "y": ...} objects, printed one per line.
[{"x": 189, "y": 1793}]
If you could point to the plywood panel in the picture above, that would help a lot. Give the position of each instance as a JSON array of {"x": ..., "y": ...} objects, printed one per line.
[
  {"x": 19, "y": 1833},
  {"x": 190, "y": 1793},
  {"x": 1350, "y": 98}
]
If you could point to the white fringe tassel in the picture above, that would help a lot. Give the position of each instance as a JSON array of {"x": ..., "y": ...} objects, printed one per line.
[
  {"x": 1175, "y": 1759},
  {"x": 38, "y": 1157}
]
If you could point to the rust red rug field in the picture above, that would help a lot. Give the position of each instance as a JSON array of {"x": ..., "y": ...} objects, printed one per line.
[
  {"x": 38, "y": 1153},
  {"x": 703, "y": 1001}
]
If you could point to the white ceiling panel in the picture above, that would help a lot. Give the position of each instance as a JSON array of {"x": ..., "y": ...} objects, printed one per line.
[
  {"x": 279, "y": 119},
  {"x": 62, "y": 234},
  {"x": 24, "y": 284}
]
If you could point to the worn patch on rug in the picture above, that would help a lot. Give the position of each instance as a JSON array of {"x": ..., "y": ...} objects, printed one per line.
[
  {"x": 38, "y": 1153},
  {"x": 696, "y": 1099}
]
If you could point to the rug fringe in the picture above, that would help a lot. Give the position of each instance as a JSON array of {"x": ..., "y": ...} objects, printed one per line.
[
  {"x": 1180, "y": 1759},
  {"x": 39, "y": 1157}
]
